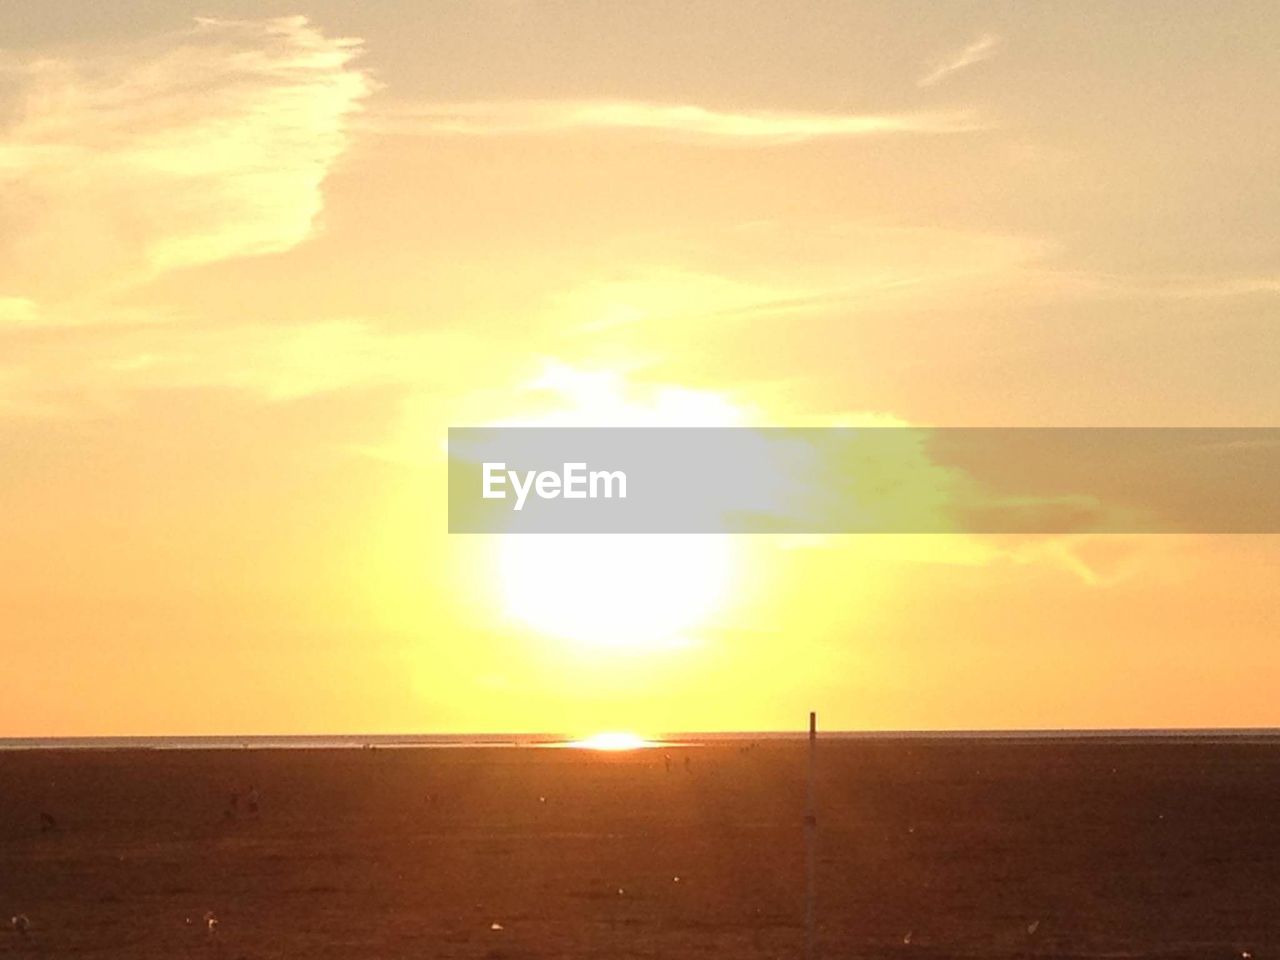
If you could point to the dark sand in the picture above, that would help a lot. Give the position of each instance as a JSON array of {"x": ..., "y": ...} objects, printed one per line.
[{"x": 1114, "y": 849}]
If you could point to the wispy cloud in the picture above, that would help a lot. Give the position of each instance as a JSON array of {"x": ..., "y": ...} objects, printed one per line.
[
  {"x": 194, "y": 147},
  {"x": 1168, "y": 287},
  {"x": 64, "y": 371},
  {"x": 980, "y": 49},
  {"x": 671, "y": 121},
  {"x": 1215, "y": 287},
  {"x": 16, "y": 310},
  {"x": 832, "y": 269}
]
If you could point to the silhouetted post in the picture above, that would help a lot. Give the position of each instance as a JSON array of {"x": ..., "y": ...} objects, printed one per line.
[{"x": 810, "y": 844}]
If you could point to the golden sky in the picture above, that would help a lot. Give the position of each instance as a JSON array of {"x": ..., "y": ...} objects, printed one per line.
[{"x": 255, "y": 262}]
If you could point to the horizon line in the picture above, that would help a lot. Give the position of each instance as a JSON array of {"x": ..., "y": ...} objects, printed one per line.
[{"x": 521, "y": 739}]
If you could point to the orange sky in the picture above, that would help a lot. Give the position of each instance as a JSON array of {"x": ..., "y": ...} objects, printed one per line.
[{"x": 252, "y": 269}]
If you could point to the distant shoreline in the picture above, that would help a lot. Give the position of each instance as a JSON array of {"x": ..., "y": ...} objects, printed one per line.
[{"x": 501, "y": 740}]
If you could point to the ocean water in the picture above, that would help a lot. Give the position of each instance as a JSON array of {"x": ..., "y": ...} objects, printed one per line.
[{"x": 509, "y": 740}]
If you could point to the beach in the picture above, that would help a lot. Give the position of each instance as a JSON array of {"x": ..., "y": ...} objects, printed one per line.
[{"x": 926, "y": 848}]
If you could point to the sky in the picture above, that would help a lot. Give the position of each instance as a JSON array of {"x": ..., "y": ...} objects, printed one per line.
[{"x": 256, "y": 258}]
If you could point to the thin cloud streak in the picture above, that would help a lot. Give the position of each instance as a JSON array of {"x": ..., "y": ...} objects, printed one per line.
[
  {"x": 672, "y": 121},
  {"x": 983, "y": 48},
  {"x": 17, "y": 310},
  {"x": 70, "y": 372},
  {"x": 1167, "y": 287}
]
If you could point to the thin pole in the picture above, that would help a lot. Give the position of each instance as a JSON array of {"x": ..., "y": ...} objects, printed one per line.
[{"x": 810, "y": 844}]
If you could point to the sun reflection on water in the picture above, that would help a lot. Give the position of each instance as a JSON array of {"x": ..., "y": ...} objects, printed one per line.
[{"x": 613, "y": 740}]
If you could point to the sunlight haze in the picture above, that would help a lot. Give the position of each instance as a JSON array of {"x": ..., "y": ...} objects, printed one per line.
[{"x": 256, "y": 259}]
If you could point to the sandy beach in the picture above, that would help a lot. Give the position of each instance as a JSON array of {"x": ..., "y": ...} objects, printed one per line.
[{"x": 927, "y": 849}]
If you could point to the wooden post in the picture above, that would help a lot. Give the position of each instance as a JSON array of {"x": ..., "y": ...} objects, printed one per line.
[{"x": 810, "y": 845}]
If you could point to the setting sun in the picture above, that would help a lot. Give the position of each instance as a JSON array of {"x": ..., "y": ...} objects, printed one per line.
[
  {"x": 620, "y": 592},
  {"x": 614, "y": 591}
]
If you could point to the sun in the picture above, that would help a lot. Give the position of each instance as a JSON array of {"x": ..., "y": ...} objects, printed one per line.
[
  {"x": 637, "y": 591},
  {"x": 646, "y": 592}
]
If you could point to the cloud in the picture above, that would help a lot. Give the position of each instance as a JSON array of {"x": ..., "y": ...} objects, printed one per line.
[
  {"x": 743, "y": 273},
  {"x": 1166, "y": 287},
  {"x": 980, "y": 49},
  {"x": 17, "y": 310},
  {"x": 1105, "y": 560},
  {"x": 194, "y": 147},
  {"x": 671, "y": 121},
  {"x": 1208, "y": 288},
  {"x": 65, "y": 371}
]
